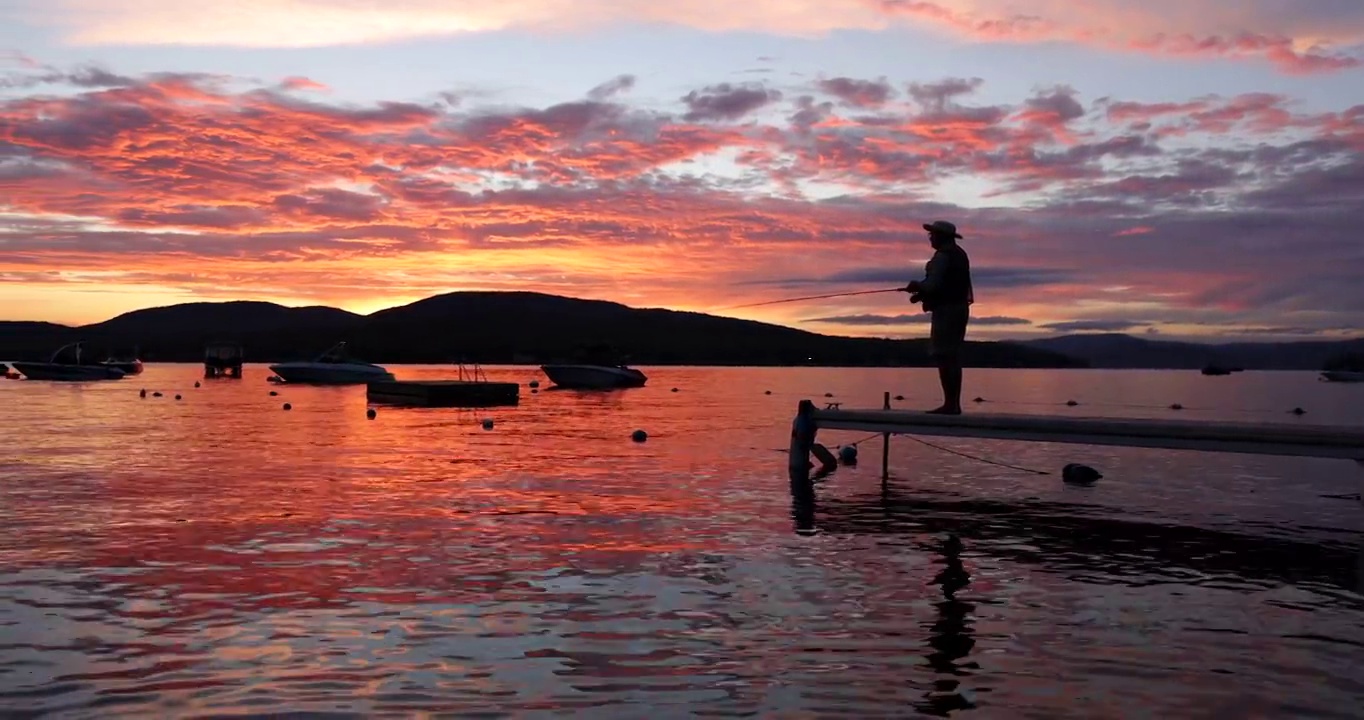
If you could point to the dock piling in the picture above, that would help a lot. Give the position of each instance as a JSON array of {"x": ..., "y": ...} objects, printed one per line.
[{"x": 885, "y": 447}]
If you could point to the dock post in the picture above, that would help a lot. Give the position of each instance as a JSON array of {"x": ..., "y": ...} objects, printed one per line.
[
  {"x": 802, "y": 440},
  {"x": 885, "y": 447}
]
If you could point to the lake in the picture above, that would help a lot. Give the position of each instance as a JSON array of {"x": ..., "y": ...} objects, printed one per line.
[{"x": 220, "y": 555}]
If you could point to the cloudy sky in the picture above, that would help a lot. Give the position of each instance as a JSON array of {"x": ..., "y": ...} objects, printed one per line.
[{"x": 1179, "y": 167}]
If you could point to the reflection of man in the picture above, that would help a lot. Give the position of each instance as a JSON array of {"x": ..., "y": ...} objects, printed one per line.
[{"x": 946, "y": 293}]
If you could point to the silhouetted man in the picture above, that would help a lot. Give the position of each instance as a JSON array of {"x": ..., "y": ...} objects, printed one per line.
[{"x": 946, "y": 293}]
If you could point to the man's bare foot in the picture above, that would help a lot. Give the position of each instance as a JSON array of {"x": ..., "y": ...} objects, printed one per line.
[{"x": 945, "y": 410}]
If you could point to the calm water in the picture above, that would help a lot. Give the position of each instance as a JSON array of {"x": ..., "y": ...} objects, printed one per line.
[{"x": 219, "y": 555}]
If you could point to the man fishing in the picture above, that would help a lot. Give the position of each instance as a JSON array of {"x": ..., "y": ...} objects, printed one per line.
[{"x": 946, "y": 292}]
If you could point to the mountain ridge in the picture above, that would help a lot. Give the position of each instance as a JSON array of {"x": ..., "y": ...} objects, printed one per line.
[{"x": 489, "y": 327}]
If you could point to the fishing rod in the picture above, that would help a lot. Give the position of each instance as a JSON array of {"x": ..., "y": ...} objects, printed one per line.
[{"x": 818, "y": 297}]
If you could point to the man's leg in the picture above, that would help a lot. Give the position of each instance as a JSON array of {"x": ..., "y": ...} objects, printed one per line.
[{"x": 947, "y": 334}]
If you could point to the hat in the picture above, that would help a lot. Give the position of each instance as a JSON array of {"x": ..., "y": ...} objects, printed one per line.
[{"x": 943, "y": 227}]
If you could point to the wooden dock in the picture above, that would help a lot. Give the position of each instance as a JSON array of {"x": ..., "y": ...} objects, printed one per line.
[
  {"x": 1290, "y": 439},
  {"x": 444, "y": 393}
]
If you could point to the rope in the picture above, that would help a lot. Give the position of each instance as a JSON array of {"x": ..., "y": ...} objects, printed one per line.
[{"x": 958, "y": 453}]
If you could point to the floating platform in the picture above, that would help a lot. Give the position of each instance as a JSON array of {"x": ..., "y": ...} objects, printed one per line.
[
  {"x": 1289, "y": 439},
  {"x": 444, "y": 393}
]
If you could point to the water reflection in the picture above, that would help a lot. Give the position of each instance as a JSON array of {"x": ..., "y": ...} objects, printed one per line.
[
  {"x": 952, "y": 638},
  {"x": 1071, "y": 539}
]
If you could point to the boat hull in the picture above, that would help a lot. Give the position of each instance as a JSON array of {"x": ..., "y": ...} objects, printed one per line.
[
  {"x": 593, "y": 377},
  {"x": 67, "y": 373},
  {"x": 129, "y": 367},
  {"x": 1343, "y": 375},
  {"x": 330, "y": 373}
]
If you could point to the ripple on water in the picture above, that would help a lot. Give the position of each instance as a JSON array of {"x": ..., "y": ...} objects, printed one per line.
[{"x": 318, "y": 561}]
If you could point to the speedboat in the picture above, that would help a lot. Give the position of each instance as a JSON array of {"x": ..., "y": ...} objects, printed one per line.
[
  {"x": 594, "y": 377},
  {"x": 129, "y": 366},
  {"x": 67, "y": 371},
  {"x": 1349, "y": 376},
  {"x": 333, "y": 367}
]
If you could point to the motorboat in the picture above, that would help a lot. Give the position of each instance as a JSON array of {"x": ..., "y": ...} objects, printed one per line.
[
  {"x": 129, "y": 366},
  {"x": 1346, "y": 376},
  {"x": 333, "y": 367},
  {"x": 594, "y": 377},
  {"x": 67, "y": 371}
]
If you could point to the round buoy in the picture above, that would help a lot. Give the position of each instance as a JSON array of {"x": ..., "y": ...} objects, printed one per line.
[
  {"x": 143, "y": 393},
  {"x": 1071, "y": 403},
  {"x": 196, "y": 383},
  {"x": 156, "y": 394},
  {"x": 488, "y": 424},
  {"x": 639, "y": 436},
  {"x": 1298, "y": 411},
  {"x": 534, "y": 383},
  {"x": 1077, "y": 474},
  {"x": 769, "y": 392},
  {"x": 371, "y": 413},
  {"x": 674, "y": 389},
  {"x": 287, "y": 406},
  {"x": 273, "y": 393},
  {"x": 1176, "y": 406},
  {"x": 828, "y": 394},
  {"x": 899, "y": 397},
  {"x": 177, "y": 397},
  {"x": 979, "y": 399},
  {"x": 534, "y": 391},
  {"x": 848, "y": 454}
]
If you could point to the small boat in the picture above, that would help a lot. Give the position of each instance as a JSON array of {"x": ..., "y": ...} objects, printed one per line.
[
  {"x": 129, "y": 366},
  {"x": 1346, "y": 376},
  {"x": 594, "y": 377},
  {"x": 67, "y": 371},
  {"x": 333, "y": 367}
]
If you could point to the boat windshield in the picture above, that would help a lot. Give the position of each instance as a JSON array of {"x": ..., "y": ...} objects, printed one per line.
[{"x": 338, "y": 355}]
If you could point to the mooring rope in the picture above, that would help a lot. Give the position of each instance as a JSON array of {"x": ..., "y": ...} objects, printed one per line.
[{"x": 958, "y": 453}]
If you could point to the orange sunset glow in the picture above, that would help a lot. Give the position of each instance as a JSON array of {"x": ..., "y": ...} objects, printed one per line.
[{"x": 1151, "y": 202}]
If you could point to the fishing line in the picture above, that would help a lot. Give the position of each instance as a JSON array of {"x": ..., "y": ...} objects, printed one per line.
[{"x": 816, "y": 297}]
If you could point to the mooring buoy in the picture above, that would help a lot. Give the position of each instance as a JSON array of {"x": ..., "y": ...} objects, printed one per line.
[
  {"x": 487, "y": 424},
  {"x": 1176, "y": 406},
  {"x": 639, "y": 436},
  {"x": 979, "y": 399},
  {"x": 1071, "y": 403},
  {"x": 156, "y": 394},
  {"x": 177, "y": 397},
  {"x": 143, "y": 393},
  {"x": 848, "y": 454},
  {"x": 1298, "y": 411},
  {"x": 287, "y": 406},
  {"x": 196, "y": 383},
  {"x": 1077, "y": 474},
  {"x": 534, "y": 383},
  {"x": 371, "y": 413},
  {"x": 273, "y": 393}
]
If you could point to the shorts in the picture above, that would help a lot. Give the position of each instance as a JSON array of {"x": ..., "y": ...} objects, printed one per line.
[{"x": 947, "y": 333}]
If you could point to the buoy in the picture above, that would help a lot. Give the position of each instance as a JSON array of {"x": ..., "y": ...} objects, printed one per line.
[
  {"x": 273, "y": 393},
  {"x": 899, "y": 397},
  {"x": 196, "y": 383},
  {"x": 534, "y": 391},
  {"x": 1072, "y": 403},
  {"x": 1176, "y": 406},
  {"x": 287, "y": 406},
  {"x": 1077, "y": 474},
  {"x": 1298, "y": 411},
  {"x": 848, "y": 454},
  {"x": 674, "y": 389},
  {"x": 639, "y": 436},
  {"x": 156, "y": 394},
  {"x": 828, "y": 394},
  {"x": 979, "y": 399},
  {"x": 177, "y": 397},
  {"x": 487, "y": 424},
  {"x": 535, "y": 383},
  {"x": 769, "y": 392},
  {"x": 371, "y": 413},
  {"x": 143, "y": 393}
]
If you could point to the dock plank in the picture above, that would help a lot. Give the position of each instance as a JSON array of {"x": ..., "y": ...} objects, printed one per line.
[{"x": 1287, "y": 439}]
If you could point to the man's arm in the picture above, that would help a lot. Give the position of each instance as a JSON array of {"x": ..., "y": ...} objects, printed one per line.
[{"x": 933, "y": 275}]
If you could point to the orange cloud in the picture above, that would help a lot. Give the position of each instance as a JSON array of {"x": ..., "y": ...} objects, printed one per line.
[
  {"x": 183, "y": 184},
  {"x": 1296, "y": 37}
]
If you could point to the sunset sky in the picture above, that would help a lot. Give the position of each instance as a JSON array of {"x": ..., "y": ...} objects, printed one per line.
[{"x": 1174, "y": 167}]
